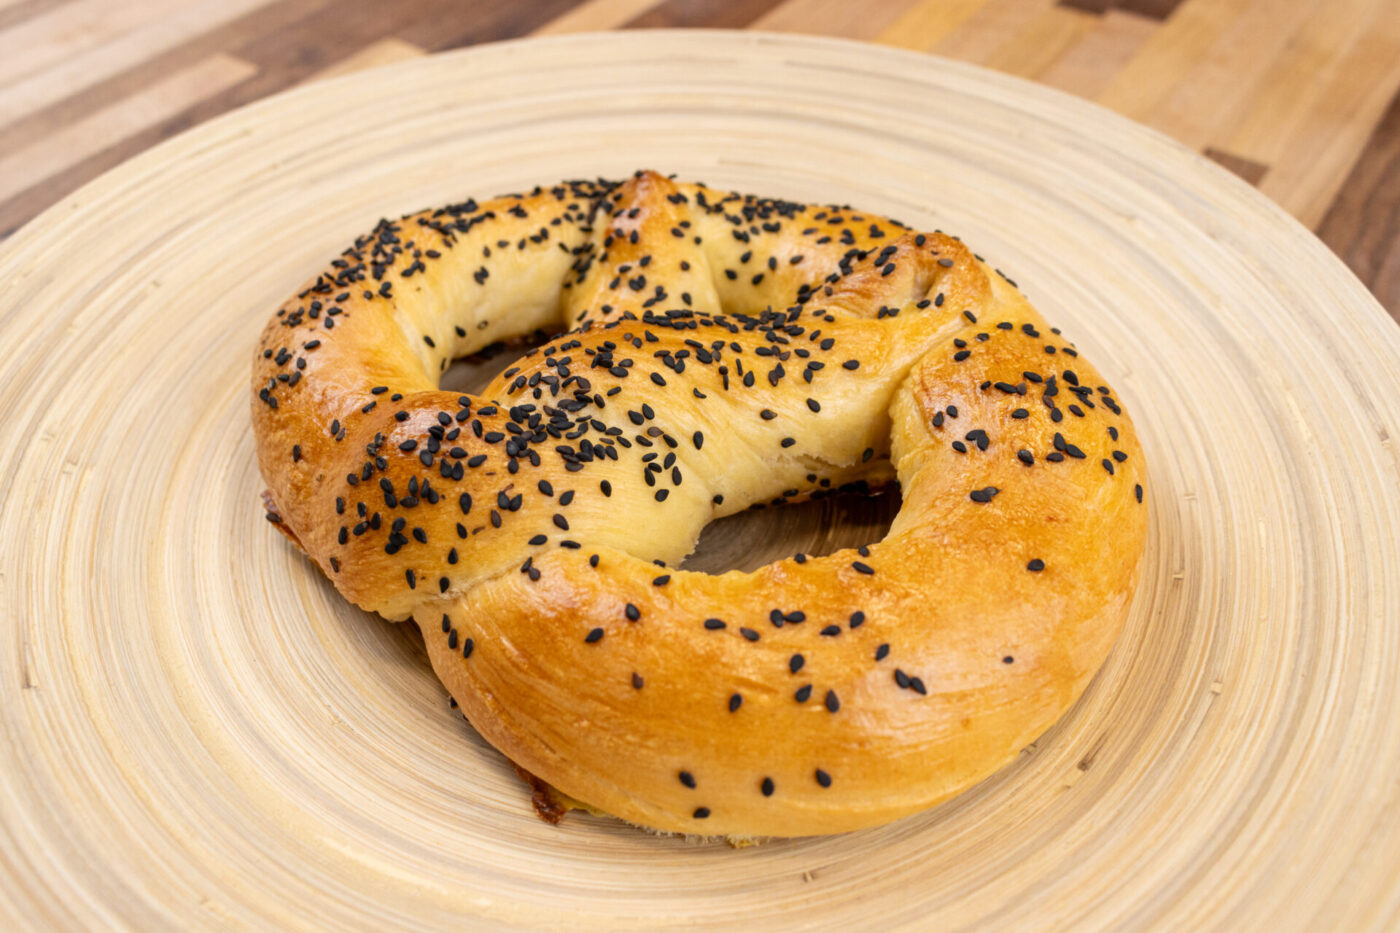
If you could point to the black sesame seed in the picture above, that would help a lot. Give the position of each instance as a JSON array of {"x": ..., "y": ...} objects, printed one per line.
[
  {"x": 822, "y": 777},
  {"x": 862, "y": 567},
  {"x": 700, "y": 812},
  {"x": 735, "y": 701},
  {"x": 687, "y": 779},
  {"x": 632, "y": 613},
  {"x": 795, "y": 663},
  {"x": 803, "y": 694},
  {"x": 1036, "y": 565},
  {"x": 766, "y": 787},
  {"x": 594, "y": 634},
  {"x": 714, "y": 624},
  {"x": 832, "y": 703},
  {"x": 882, "y": 652}
]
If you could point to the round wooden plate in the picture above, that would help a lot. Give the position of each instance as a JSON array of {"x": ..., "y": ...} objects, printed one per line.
[{"x": 199, "y": 732}]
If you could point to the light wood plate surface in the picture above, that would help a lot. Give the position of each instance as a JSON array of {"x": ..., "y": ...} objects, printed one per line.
[{"x": 199, "y": 732}]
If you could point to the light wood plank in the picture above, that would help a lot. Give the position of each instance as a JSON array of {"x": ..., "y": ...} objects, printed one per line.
[
  {"x": 59, "y": 76},
  {"x": 1294, "y": 82},
  {"x": 594, "y": 15},
  {"x": 985, "y": 31},
  {"x": 1210, "y": 97},
  {"x": 52, "y": 154},
  {"x": 384, "y": 52},
  {"x": 1172, "y": 51},
  {"x": 1041, "y": 41},
  {"x": 923, "y": 26},
  {"x": 71, "y": 30},
  {"x": 1329, "y": 139},
  {"x": 833, "y": 17},
  {"x": 1086, "y": 67}
]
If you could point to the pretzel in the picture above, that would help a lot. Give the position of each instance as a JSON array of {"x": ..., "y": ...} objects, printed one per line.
[{"x": 725, "y": 351}]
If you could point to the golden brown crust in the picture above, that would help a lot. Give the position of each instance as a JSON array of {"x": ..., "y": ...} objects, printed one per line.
[{"x": 731, "y": 351}]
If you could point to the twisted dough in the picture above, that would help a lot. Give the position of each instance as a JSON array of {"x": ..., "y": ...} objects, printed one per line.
[{"x": 726, "y": 351}]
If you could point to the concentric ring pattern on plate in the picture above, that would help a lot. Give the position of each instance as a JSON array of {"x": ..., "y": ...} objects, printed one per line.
[{"x": 199, "y": 732}]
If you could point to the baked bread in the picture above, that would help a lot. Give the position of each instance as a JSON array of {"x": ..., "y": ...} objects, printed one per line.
[{"x": 722, "y": 351}]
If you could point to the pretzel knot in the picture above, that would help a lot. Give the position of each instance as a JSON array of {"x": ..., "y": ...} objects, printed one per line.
[{"x": 725, "y": 351}]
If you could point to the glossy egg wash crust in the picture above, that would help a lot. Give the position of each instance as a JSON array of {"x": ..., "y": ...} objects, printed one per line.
[{"x": 725, "y": 351}]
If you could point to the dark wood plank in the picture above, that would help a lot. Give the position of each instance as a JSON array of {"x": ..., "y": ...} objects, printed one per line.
[
  {"x": 454, "y": 25},
  {"x": 1363, "y": 224},
  {"x": 1152, "y": 9},
  {"x": 1250, "y": 171},
  {"x": 715, "y": 14}
]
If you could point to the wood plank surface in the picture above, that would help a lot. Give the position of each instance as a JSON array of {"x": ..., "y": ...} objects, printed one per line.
[{"x": 1290, "y": 95}]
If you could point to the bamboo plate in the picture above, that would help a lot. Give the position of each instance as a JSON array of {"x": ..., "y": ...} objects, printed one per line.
[{"x": 198, "y": 732}]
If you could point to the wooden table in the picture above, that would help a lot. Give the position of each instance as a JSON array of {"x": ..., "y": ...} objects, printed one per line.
[
  {"x": 1298, "y": 97},
  {"x": 200, "y": 733}
]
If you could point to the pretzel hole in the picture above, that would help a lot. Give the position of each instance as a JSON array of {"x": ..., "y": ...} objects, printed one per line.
[
  {"x": 473, "y": 372},
  {"x": 817, "y": 527}
]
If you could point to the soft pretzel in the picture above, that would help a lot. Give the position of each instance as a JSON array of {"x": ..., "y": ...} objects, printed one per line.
[{"x": 725, "y": 351}]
